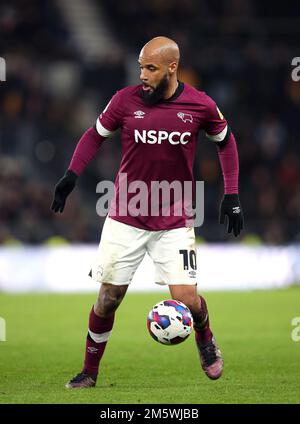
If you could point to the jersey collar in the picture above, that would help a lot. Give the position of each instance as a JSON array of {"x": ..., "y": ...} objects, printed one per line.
[{"x": 177, "y": 93}]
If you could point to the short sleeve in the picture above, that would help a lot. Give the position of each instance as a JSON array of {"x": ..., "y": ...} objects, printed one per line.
[
  {"x": 111, "y": 117},
  {"x": 215, "y": 125}
]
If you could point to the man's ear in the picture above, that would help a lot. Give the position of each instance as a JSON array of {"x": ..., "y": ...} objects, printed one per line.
[{"x": 173, "y": 67}]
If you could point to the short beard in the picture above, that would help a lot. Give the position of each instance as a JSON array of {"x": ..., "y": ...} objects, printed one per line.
[{"x": 158, "y": 93}]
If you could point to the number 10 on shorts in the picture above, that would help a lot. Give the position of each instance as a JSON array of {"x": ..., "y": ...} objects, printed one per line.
[{"x": 189, "y": 259}]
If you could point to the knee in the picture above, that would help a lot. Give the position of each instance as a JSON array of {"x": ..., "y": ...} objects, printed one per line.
[{"x": 108, "y": 301}]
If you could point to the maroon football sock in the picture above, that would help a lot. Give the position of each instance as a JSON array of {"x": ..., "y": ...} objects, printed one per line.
[
  {"x": 203, "y": 333},
  {"x": 98, "y": 334}
]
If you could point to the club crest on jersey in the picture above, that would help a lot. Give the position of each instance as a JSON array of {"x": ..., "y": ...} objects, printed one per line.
[
  {"x": 139, "y": 114},
  {"x": 185, "y": 117}
]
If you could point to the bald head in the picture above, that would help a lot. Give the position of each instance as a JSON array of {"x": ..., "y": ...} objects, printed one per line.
[
  {"x": 161, "y": 49},
  {"x": 158, "y": 61}
]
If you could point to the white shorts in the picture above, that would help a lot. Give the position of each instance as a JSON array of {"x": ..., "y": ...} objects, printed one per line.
[{"x": 123, "y": 247}]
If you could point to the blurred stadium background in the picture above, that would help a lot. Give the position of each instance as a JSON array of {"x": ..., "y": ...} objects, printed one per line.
[{"x": 64, "y": 61}]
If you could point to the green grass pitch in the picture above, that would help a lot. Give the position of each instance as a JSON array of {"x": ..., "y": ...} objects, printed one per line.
[{"x": 46, "y": 336}]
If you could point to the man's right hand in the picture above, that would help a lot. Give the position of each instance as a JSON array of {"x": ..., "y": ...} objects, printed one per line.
[{"x": 62, "y": 190}]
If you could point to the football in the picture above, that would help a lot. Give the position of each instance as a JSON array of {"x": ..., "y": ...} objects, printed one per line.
[{"x": 170, "y": 322}]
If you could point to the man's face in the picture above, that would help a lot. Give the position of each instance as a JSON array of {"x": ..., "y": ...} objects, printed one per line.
[{"x": 155, "y": 79}]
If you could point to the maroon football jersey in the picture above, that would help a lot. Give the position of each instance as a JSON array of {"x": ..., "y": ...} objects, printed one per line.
[{"x": 158, "y": 144}]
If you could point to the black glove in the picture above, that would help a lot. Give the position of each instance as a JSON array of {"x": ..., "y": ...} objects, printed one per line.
[
  {"x": 231, "y": 207},
  {"x": 62, "y": 190}
]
